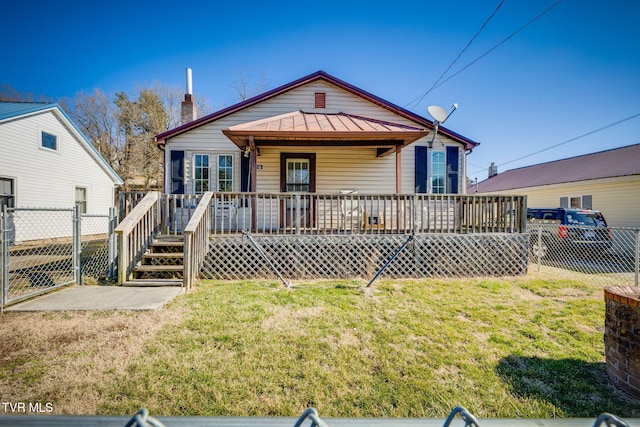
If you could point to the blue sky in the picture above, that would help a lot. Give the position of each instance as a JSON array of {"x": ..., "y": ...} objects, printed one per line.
[{"x": 574, "y": 70}]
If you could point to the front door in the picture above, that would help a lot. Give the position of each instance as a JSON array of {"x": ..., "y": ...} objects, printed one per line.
[{"x": 298, "y": 175}]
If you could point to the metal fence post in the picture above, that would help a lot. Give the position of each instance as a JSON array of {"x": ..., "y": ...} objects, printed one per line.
[
  {"x": 112, "y": 248},
  {"x": 4, "y": 257},
  {"x": 77, "y": 245},
  {"x": 539, "y": 248},
  {"x": 637, "y": 255}
]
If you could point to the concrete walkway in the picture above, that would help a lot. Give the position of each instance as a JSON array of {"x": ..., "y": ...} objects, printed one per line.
[{"x": 101, "y": 298}]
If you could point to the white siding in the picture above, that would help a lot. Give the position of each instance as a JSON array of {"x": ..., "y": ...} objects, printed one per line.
[
  {"x": 617, "y": 198},
  {"x": 47, "y": 178},
  {"x": 337, "y": 168}
]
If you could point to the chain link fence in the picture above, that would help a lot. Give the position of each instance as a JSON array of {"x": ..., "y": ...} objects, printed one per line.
[
  {"x": 603, "y": 255},
  {"x": 45, "y": 248}
]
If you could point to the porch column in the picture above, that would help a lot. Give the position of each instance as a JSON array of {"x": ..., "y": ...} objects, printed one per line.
[
  {"x": 253, "y": 161},
  {"x": 253, "y": 164},
  {"x": 398, "y": 169}
]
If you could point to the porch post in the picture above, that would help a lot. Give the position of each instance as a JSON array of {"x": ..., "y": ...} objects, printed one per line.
[
  {"x": 398, "y": 169},
  {"x": 399, "y": 213},
  {"x": 253, "y": 161}
]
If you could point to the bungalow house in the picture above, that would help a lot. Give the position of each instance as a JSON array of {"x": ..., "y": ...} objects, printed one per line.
[
  {"x": 47, "y": 162},
  {"x": 315, "y": 134},
  {"x": 319, "y": 178},
  {"x": 608, "y": 181}
]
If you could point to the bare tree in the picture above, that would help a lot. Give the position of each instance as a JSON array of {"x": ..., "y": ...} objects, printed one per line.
[
  {"x": 245, "y": 89},
  {"x": 9, "y": 94},
  {"x": 95, "y": 115}
]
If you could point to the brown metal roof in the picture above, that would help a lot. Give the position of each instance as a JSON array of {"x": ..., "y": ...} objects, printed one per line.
[
  {"x": 617, "y": 162},
  {"x": 162, "y": 138},
  {"x": 300, "y": 125}
]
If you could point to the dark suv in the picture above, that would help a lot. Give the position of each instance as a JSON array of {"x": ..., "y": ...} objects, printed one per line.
[{"x": 581, "y": 231}]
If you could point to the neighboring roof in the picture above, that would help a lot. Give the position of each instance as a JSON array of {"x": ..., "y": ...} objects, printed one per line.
[
  {"x": 14, "y": 110},
  {"x": 324, "y": 127},
  {"x": 617, "y": 162},
  {"x": 318, "y": 75}
]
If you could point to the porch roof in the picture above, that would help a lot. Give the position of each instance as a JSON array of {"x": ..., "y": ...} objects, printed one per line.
[{"x": 336, "y": 129}]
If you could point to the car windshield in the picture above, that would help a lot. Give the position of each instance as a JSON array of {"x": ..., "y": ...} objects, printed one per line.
[{"x": 592, "y": 219}]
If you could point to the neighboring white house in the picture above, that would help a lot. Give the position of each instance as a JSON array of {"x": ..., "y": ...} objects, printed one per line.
[
  {"x": 317, "y": 134},
  {"x": 45, "y": 161},
  {"x": 608, "y": 181}
]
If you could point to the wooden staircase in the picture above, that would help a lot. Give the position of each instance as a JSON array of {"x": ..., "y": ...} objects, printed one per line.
[{"x": 162, "y": 265}]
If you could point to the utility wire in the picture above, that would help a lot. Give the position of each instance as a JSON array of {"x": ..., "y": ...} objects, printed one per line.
[
  {"x": 437, "y": 85},
  {"x": 499, "y": 44},
  {"x": 420, "y": 98},
  {"x": 568, "y": 140}
]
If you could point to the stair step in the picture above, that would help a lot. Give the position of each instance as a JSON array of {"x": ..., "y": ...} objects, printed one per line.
[
  {"x": 174, "y": 255},
  {"x": 153, "y": 282},
  {"x": 157, "y": 268},
  {"x": 166, "y": 243}
]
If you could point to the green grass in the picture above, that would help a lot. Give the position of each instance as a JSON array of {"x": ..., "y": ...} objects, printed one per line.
[{"x": 514, "y": 347}]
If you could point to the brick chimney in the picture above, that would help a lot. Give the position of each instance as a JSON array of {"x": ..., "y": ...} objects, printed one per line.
[{"x": 188, "y": 107}]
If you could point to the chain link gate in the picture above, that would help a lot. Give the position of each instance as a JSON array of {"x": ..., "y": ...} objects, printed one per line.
[
  {"x": 42, "y": 249},
  {"x": 611, "y": 257}
]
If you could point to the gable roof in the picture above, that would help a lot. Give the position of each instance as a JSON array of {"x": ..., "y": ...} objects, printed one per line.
[
  {"x": 323, "y": 127},
  {"x": 603, "y": 164},
  {"x": 318, "y": 75},
  {"x": 15, "y": 110}
]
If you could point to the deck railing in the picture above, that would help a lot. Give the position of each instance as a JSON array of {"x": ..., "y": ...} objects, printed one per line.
[
  {"x": 196, "y": 240},
  {"x": 136, "y": 232},
  {"x": 304, "y": 213}
]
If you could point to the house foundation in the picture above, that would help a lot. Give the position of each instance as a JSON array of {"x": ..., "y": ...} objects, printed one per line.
[{"x": 361, "y": 256}]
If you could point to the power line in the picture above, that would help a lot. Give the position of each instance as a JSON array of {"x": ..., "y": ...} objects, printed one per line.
[
  {"x": 437, "y": 85},
  {"x": 420, "y": 98},
  {"x": 569, "y": 140},
  {"x": 499, "y": 44}
]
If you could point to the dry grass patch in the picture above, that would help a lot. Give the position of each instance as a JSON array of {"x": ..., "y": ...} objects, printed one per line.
[{"x": 66, "y": 357}]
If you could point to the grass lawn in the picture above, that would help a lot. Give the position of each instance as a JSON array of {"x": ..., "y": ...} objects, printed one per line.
[{"x": 511, "y": 347}]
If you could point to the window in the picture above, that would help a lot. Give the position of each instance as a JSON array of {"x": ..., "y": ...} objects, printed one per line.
[
  {"x": 577, "y": 202},
  {"x": 437, "y": 172},
  {"x": 201, "y": 173},
  {"x": 81, "y": 199},
  {"x": 225, "y": 172},
  {"x": 7, "y": 193},
  {"x": 49, "y": 141}
]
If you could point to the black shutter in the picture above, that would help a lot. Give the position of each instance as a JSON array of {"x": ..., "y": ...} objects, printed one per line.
[
  {"x": 452, "y": 170},
  {"x": 244, "y": 173},
  {"x": 177, "y": 172},
  {"x": 422, "y": 154}
]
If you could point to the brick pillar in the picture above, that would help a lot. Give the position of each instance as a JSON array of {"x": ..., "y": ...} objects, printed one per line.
[{"x": 622, "y": 337}]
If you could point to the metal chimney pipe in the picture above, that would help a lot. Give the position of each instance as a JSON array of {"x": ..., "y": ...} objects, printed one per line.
[{"x": 189, "y": 84}]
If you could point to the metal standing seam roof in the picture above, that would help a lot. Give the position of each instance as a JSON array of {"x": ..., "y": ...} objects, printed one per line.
[
  {"x": 304, "y": 125},
  {"x": 624, "y": 161},
  {"x": 14, "y": 109}
]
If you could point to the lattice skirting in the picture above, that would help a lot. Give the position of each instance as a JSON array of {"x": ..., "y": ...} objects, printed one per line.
[{"x": 362, "y": 256}]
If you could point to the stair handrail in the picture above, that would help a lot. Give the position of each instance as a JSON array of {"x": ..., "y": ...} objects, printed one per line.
[
  {"x": 196, "y": 240},
  {"x": 136, "y": 232}
]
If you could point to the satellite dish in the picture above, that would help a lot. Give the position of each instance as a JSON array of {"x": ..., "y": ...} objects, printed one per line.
[{"x": 438, "y": 113}]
